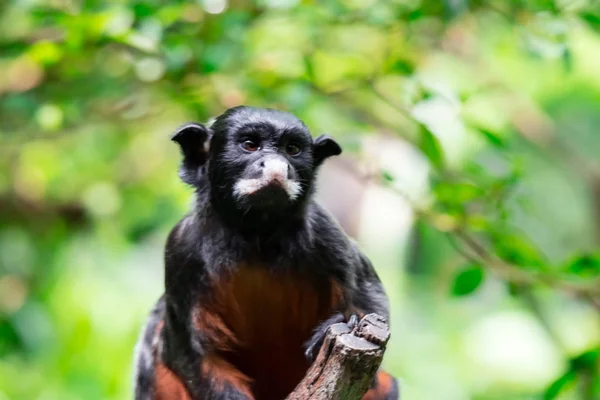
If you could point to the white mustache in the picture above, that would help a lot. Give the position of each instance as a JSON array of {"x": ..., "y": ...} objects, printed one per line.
[{"x": 274, "y": 170}]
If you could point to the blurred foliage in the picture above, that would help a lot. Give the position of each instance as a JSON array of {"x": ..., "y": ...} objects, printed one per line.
[{"x": 500, "y": 97}]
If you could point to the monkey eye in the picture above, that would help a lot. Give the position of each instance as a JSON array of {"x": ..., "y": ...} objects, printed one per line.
[
  {"x": 292, "y": 149},
  {"x": 250, "y": 145}
]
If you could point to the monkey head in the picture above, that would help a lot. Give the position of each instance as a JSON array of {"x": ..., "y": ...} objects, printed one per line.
[{"x": 253, "y": 160}]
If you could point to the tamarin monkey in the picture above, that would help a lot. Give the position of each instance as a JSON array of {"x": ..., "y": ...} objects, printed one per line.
[{"x": 256, "y": 271}]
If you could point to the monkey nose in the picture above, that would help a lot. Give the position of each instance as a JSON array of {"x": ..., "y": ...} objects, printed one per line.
[{"x": 275, "y": 169}]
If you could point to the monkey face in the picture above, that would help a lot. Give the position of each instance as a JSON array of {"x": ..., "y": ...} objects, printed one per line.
[
  {"x": 269, "y": 163},
  {"x": 257, "y": 158}
]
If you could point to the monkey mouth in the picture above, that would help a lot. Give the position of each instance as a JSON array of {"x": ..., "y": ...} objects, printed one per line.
[{"x": 268, "y": 186}]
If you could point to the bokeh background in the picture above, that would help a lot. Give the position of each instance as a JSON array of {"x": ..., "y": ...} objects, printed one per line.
[{"x": 471, "y": 176}]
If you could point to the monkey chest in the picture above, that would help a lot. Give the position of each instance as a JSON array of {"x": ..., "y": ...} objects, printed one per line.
[
  {"x": 269, "y": 317},
  {"x": 259, "y": 306}
]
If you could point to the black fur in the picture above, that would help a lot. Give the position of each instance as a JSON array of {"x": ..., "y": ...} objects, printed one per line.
[
  {"x": 144, "y": 357},
  {"x": 192, "y": 139},
  {"x": 222, "y": 231}
]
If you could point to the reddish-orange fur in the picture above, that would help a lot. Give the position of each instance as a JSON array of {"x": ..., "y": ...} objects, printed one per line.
[
  {"x": 337, "y": 293},
  {"x": 222, "y": 373},
  {"x": 265, "y": 318},
  {"x": 382, "y": 388},
  {"x": 167, "y": 386},
  {"x": 211, "y": 325}
]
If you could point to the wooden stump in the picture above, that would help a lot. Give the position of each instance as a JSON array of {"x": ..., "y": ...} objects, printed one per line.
[{"x": 347, "y": 362}]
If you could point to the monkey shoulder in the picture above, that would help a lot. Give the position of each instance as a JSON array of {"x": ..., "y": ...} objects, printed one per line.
[
  {"x": 187, "y": 263},
  {"x": 331, "y": 242}
]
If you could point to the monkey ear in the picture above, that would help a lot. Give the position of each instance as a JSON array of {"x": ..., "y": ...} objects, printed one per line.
[
  {"x": 193, "y": 140},
  {"x": 323, "y": 147}
]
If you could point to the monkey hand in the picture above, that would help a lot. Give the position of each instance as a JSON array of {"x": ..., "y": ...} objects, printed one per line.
[{"x": 313, "y": 345}]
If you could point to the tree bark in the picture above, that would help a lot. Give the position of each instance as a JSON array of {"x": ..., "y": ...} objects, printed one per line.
[{"x": 347, "y": 362}]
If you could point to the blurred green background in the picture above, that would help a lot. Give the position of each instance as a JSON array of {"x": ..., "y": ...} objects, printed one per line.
[{"x": 471, "y": 176}]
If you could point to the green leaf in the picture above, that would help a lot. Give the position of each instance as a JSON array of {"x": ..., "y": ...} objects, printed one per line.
[
  {"x": 468, "y": 280},
  {"x": 477, "y": 222},
  {"x": 143, "y": 10},
  {"x": 593, "y": 20},
  {"x": 586, "y": 265},
  {"x": 493, "y": 138},
  {"x": 461, "y": 192},
  {"x": 402, "y": 67},
  {"x": 415, "y": 15},
  {"x": 431, "y": 147},
  {"x": 559, "y": 385},
  {"x": 514, "y": 289},
  {"x": 585, "y": 361},
  {"x": 387, "y": 176},
  {"x": 519, "y": 250},
  {"x": 309, "y": 67}
]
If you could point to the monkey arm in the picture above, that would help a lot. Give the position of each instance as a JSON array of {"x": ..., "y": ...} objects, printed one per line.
[
  {"x": 181, "y": 352},
  {"x": 369, "y": 295},
  {"x": 163, "y": 375},
  {"x": 354, "y": 281},
  {"x": 144, "y": 364},
  {"x": 187, "y": 338},
  {"x": 351, "y": 270}
]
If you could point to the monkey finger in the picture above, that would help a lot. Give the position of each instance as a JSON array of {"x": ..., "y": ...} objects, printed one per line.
[{"x": 352, "y": 322}]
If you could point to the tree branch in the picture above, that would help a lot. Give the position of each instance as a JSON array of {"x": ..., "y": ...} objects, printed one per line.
[{"x": 347, "y": 362}]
